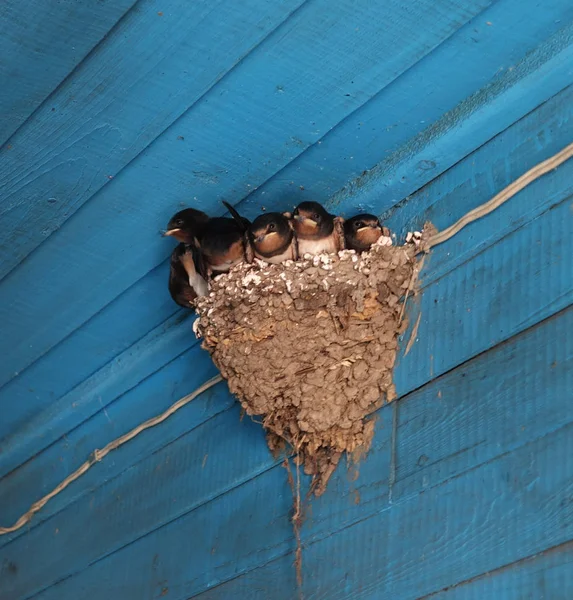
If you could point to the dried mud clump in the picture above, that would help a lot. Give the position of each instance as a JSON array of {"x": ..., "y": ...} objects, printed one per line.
[{"x": 309, "y": 346}]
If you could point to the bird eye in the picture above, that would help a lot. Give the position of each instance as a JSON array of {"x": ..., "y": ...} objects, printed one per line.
[
  {"x": 272, "y": 226},
  {"x": 315, "y": 216},
  {"x": 359, "y": 225},
  {"x": 179, "y": 222}
]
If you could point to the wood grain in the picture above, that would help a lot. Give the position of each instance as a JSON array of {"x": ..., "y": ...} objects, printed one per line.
[
  {"x": 471, "y": 524},
  {"x": 248, "y": 525},
  {"x": 40, "y": 47},
  {"x": 419, "y": 116},
  {"x": 91, "y": 346},
  {"x": 545, "y": 575},
  {"x": 121, "y": 226}
]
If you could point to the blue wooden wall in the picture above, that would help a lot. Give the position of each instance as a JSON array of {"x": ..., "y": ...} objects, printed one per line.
[{"x": 115, "y": 114}]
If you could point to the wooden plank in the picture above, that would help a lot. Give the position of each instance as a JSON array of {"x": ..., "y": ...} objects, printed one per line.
[
  {"x": 95, "y": 353},
  {"x": 503, "y": 398},
  {"x": 40, "y": 475},
  {"x": 399, "y": 120},
  {"x": 141, "y": 200},
  {"x": 108, "y": 112},
  {"x": 545, "y": 267},
  {"x": 513, "y": 284},
  {"x": 235, "y": 455},
  {"x": 467, "y": 127},
  {"x": 515, "y": 506},
  {"x": 483, "y": 174},
  {"x": 157, "y": 349},
  {"x": 41, "y": 46},
  {"x": 249, "y": 526},
  {"x": 527, "y": 142},
  {"x": 546, "y": 575}
]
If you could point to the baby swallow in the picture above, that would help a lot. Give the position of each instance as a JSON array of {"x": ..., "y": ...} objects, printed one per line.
[
  {"x": 222, "y": 243},
  {"x": 361, "y": 231},
  {"x": 219, "y": 240},
  {"x": 186, "y": 280},
  {"x": 316, "y": 229},
  {"x": 186, "y": 225},
  {"x": 270, "y": 237}
]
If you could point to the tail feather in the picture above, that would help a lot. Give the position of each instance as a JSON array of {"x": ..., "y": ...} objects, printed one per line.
[{"x": 243, "y": 223}]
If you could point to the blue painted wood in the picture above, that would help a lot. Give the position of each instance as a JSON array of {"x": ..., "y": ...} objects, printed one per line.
[
  {"x": 457, "y": 348},
  {"x": 242, "y": 161},
  {"x": 217, "y": 506},
  {"x": 40, "y": 46},
  {"x": 157, "y": 349},
  {"x": 108, "y": 113},
  {"x": 248, "y": 526},
  {"x": 182, "y": 375},
  {"x": 81, "y": 363},
  {"x": 407, "y": 116},
  {"x": 174, "y": 471},
  {"x": 547, "y": 575},
  {"x": 513, "y": 284},
  {"x": 54, "y": 333},
  {"x": 450, "y": 139},
  {"x": 529, "y": 141},
  {"x": 472, "y": 524},
  {"x": 485, "y": 173},
  {"x": 442, "y": 347},
  {"x": 484, "y": 405}
]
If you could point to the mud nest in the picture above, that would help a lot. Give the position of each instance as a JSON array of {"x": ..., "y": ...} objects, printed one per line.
[{"x": 308, "y": 347}]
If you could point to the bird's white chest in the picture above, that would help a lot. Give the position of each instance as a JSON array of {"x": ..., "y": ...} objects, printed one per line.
[{"x": 316, "y": 246}]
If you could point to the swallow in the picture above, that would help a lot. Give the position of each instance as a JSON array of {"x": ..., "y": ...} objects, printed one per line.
[
  {"x": 186, "y": 275},
  {"x": 361, "y": 231},
  {"x": 187, "y": 225},
  {"x": 270, "y": 237},
  {"x": 221, "y": 241},
  {"x": 316, "y": 230}
]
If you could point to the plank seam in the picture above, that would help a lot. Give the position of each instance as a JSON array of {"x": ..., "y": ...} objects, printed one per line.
[
  {"x": 164, "y": 524},
  {"x": 354, "y": 522},
  {"x": 323, "y": 537},
  {"x": 95, "y": 314},
  {"x": 388, "y": 213},
  {"x": 558, "y": 548},
  {"x": 427, "y": 283},
  {"x": 410, "y": 197},
  {"x": 361, "y": 106},
  {"x": 98, "y": 455},
  {"x": 70, "y": 74},
  {"x": 117, "y": 475},
  {"x": 162, "y": 132},
  {"x": 101, "y": 410},
  {"x": 393, "y": 451}
]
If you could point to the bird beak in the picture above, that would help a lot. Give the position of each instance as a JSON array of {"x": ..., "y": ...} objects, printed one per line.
[
  {"x": 370, "y": 227},
  {"x": 306, "y": 220},
  {"x": 172, "y": 232}
]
